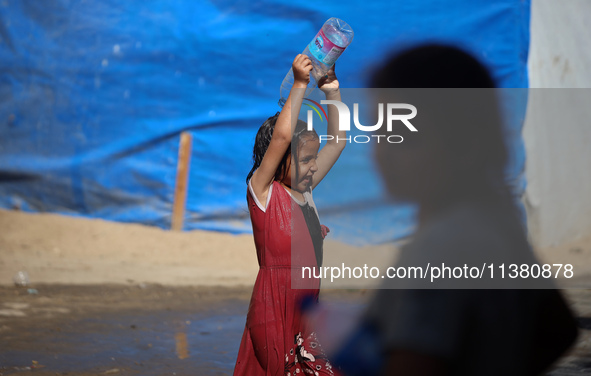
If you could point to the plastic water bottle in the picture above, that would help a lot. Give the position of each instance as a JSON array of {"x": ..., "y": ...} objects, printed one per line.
[{"x": 326, "y": 47}]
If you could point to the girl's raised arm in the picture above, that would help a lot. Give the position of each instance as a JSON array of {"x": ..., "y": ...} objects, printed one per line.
[
  {"x": 263, "y": 177},
  {"x": 329, "y": 154}
]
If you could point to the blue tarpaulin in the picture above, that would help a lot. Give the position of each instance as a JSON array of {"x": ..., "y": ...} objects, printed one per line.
[{"x": 95, "y": 93}]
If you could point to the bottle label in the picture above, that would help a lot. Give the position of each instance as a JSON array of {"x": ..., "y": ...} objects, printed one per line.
[{"x": 324, "y": 50}]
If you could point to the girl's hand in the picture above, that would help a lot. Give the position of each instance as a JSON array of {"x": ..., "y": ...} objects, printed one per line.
[
  {"x": 329, "y": 83},
  {"x": 325, "y": 230},
  {"x": 301, "y": 66}
]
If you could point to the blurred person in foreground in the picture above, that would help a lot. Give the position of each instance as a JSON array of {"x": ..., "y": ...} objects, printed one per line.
[{"x": 453, "y": 169}]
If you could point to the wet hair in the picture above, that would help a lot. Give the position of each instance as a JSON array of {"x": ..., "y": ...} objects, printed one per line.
[
  {"x": 263, "y": 139},
  {"x": 301, "y": 134},
  {"x": 476, "y": 132}
]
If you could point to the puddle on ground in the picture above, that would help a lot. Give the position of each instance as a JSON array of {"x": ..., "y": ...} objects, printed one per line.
[
  {"x": 138, "y": 333},
  {"x": 152, "y": 343}
]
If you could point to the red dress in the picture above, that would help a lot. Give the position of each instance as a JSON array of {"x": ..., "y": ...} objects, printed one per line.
[{"x": 276, "y": 340}]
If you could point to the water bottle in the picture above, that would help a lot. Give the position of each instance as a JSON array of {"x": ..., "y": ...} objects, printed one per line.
[{"x": 326, "y": 47}]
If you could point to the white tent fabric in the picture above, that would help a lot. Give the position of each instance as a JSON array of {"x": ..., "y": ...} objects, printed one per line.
[{"x": 557, "y": 131}]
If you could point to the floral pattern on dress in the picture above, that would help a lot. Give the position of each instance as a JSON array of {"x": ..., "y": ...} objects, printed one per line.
[{"x": 306, "y": 357}]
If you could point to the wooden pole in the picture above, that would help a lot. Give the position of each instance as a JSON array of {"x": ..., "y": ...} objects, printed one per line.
[{"x": 182, "y": 174}]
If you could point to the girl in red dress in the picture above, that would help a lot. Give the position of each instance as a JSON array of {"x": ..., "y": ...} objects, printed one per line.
[{"x": 287, "y": 234}]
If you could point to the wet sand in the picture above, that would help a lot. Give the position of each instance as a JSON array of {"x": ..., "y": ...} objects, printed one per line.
[
  {"x": 112, "y": 298},
  {"x": 132, "y": 330},
  {"x": 157, "y": 330}
]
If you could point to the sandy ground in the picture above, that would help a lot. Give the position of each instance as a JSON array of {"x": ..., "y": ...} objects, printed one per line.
[
  {"x": 70, "y": 250},
  {"x": 61, "y": 249},
  {"x": 112, "y": 298}
]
